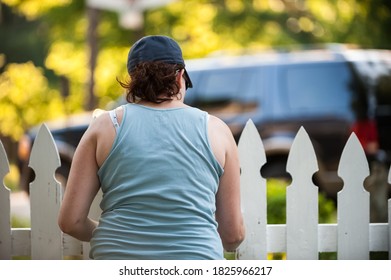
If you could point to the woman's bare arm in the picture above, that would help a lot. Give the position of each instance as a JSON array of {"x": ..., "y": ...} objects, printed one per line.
[
  {"x": 228, "y": 210},
  {"x": 82, "y": 187},
  {"x": 83, "y": 182}
]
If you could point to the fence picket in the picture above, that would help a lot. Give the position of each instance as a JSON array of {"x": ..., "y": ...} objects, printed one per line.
[
  {"x": 45, "y": 198},
  {"x": 353, "y": 203},
  {"x": 21, "y": 242},
  {"x": 253, "y": 194},
  {"x": 302, "y": 216},
  {"x": 5, "y": 203}
]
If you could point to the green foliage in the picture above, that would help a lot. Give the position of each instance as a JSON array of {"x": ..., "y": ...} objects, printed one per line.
[
  {"x": 327, "y": 210},
  {"x": 17, "y": 222},
  {"x": 11, "y": 180},
  {"x": 35, "y": 8},
  {"x": 230, "y": 255},
  {"x": 203, "y": 27},
  {"x": 111, "y": 64},
  {"x": 26, "y": 99},
  {"x": 191, "y": 23},
  {"x": 276, "y": 204}
]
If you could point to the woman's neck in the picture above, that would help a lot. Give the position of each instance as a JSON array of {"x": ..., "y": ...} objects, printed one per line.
[{"x": 174, "y": 103}]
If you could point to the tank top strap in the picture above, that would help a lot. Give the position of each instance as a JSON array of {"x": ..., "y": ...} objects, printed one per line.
[{"x": 114, "y": 119}]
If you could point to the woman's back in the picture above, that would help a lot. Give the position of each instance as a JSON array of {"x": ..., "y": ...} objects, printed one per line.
[{"x": 159, "y": 183}]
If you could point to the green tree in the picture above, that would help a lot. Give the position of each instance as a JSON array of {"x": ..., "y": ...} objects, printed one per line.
[
  {"x": 26, "y": 99},
  {"x": 207, "y": 26}
]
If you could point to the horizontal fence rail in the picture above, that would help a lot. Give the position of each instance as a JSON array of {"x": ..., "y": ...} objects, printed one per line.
[{"x": 302, "y": 237}]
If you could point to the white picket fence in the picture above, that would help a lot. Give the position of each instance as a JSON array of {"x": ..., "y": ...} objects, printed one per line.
[{"x": 302, "y": 237}]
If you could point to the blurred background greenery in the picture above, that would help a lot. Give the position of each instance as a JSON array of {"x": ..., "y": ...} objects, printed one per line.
[{"x": 60, "y": 57}]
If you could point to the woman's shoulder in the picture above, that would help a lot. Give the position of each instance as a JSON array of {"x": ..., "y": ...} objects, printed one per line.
[{"x": 218, "y": 124}]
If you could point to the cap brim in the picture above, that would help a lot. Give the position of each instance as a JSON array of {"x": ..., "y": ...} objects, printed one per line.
[{"x": 188, "y": 80}]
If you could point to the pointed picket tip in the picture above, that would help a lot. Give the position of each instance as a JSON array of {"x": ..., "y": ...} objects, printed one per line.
[
  {"x": 44, "y": 145},
  {"x": 353, "y": 160},
  {"x": 250, "y": 144},
  {"x": 4, "y": 164},
  {"x": 302, "y": 151}
]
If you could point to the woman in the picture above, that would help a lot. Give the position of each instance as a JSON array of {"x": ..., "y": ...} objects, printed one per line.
[{"x": 169, "y": 173}]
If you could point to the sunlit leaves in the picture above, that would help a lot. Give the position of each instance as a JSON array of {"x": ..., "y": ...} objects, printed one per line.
[
  {"x": 235, "y": 6},
  {"x": 111, "y": 64},
  {"x": 35, "y": 8},
  {"x": 276, "y": 5},
  {"x": 26, "y": 99},
  {"x": 190, "y": 22},
  {"x": 67, "y": 59}
]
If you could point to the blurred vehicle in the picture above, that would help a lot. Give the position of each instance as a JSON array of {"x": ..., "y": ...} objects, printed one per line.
[{"x": 330, "y": 92}]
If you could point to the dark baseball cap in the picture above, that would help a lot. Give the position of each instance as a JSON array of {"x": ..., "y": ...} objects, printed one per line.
[{"x": 157, "y": 48}]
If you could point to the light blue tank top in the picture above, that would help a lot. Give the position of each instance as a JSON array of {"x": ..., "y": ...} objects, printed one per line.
[{"x": 159, "y": 184}]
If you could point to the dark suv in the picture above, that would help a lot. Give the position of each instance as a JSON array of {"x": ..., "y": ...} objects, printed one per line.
[{"x": 328, "y": 92}]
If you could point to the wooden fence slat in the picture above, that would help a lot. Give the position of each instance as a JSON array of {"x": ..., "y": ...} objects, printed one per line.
[
  {"x": 353, "y": 203},
  {"x": 302, "y": 200},
  {"x": 45, "y": 198},
  {"x": 276, "y": 238},
  {"x": 72, "y": 246},
  {"x": 378, "y": 237},
  {"x": 5, "y": 208},
  {"x": 21, "y": 242},
  {"x": 253, "y": 194},
  {"x": 327, "y": 238}
]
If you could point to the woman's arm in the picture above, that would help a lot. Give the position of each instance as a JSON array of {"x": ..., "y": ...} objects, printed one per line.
[
  {"x": 228, "y": 210},
  {"x": 83, "y": 182},
  {"x": 82, "y": 187}
]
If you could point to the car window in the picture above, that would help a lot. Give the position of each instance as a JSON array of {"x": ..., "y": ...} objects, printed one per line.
[
  {"x": 320, "y": 88},
  {"x": 224, "y": 92}
]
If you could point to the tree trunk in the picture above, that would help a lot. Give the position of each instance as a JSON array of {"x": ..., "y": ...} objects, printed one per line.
[{"x": 92, "y": 40}]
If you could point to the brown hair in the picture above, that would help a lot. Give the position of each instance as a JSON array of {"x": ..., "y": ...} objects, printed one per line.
[{"x": 152, "y": 81}]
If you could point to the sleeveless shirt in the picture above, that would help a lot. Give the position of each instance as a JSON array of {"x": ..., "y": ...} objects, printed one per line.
[{"x": 159, "y": 183}]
